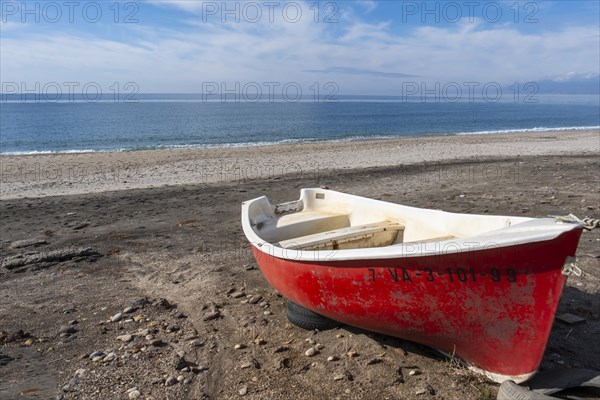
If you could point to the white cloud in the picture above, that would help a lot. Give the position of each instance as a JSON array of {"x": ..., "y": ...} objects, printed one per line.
[
  {"x": 169, "y": 60},
  {"x": 8, "y": 26},
  {"x": 369, "y": 5},
  {"x": 185, "y": 5}
]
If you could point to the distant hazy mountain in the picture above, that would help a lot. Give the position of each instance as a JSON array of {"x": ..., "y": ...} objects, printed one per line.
[{"x": 571, "y": 84}]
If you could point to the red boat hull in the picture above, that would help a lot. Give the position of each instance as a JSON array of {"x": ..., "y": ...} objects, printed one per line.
[{"x": 493, "y": 308}]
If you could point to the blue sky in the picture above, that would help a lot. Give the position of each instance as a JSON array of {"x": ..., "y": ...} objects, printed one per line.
[{"x": 363, "y": 47}]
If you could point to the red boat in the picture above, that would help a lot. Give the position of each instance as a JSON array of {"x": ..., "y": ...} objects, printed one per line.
[{"x": 478, "y": 287}]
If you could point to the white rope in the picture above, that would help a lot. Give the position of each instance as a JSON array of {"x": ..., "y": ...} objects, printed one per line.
[
  {"x": 570, "y": 268},
  {"x": 587, "y": 222}
]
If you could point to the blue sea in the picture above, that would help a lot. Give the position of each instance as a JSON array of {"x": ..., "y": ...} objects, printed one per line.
[{"x": 181, "y": 121}]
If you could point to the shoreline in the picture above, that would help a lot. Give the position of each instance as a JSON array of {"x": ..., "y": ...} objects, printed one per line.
[
  {"x": 305, "y": 141},
  {"x": 41, "y": 175}
]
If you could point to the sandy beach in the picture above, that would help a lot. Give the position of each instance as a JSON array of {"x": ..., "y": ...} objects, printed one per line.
[
  {"x": 154, "y": 290},
  {"x": 65, "y": 174}
]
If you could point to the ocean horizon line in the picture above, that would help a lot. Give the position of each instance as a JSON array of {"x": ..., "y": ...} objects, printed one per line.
[{"x": 241, "y": 97}]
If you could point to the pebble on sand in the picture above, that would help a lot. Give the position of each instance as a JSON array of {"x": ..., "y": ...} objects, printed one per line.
[
  {"x": 425, "y": 389},
  {"x": 67, "y": 329},
  {"x": 171, "y": 381},
  {"x": 310, "y": 352},
  {"x": 179, "y": 362},
  {"x": 162, "y": 302},
  {"x": 142, "y": 332},
  {"x": 125, "y": 338},
  {"x": 243, "y": 391},
  {"x": 97, "y": 354},
  {"x": 214, "y": 314},
  {"x": 255, "y": 299},
  {"x": 117, "y": 317}
]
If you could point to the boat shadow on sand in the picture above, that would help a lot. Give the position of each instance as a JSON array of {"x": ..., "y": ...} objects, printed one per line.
[{"x": 575, "y": 344}]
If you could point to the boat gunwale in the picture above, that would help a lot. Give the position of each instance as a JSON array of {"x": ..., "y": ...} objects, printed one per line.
[{"x": 504, "y": 237}]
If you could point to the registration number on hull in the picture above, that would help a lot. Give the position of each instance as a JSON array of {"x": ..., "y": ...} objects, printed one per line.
[{"x": 397, "y": 274}]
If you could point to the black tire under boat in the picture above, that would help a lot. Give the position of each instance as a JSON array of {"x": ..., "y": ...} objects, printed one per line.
[{"x": 306, "y": 319}]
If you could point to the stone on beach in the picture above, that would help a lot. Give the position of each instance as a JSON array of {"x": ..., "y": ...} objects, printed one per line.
[
  {"x": 67, "y": 329},
  {"x": 129, "y": 310},
  {"x": 310, "y": 352},
  {"x": 96, "y": 354},
  {"x": 117, "y": 317},
  {"x": 171, "y": 381},
  {"x": 125, "y": 338},
  {"x": 255, "y": 299},
  {"x": 213, "y": 314}
]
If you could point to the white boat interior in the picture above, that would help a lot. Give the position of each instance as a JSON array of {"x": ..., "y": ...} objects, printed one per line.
[{"x": 328, "y": 220}]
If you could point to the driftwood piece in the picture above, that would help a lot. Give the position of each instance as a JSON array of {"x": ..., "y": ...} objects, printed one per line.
[
  {"x": 21, "y": 260},
  {"x": 27, "y": 243}
]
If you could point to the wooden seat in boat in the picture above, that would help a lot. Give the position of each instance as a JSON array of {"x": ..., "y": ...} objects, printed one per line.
[
  {"x": 434, "y": 239},
  {"x": 375, "y": 234}
]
